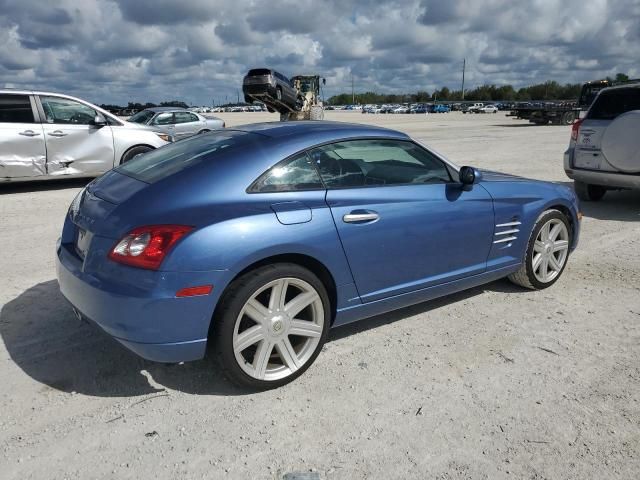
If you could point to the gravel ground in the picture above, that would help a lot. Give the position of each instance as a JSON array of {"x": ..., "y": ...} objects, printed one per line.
[{"x": 495, "y": 382}]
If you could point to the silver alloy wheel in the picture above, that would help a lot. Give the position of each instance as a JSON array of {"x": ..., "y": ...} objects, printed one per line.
[
  {"x": 278, "y": 329},
  {"x": 550, "y": 250}
]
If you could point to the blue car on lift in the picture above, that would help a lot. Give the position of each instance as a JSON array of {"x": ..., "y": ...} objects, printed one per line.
[{"x": 256, "y": 240}]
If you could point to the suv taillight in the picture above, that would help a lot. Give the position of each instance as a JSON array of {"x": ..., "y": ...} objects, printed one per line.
[
  {"x": 575, "y": 129},
  {"x": 146, "y": 247}
]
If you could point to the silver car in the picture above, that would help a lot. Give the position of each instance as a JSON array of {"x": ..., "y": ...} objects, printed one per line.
[
  {"x": 604, "y": 150},
  {"x": 49, "y": 135},
  {"x": 178, "y": 122}
]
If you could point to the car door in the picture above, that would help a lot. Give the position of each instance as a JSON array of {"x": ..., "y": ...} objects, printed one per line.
[
  {"x": 403, "y": 222},
  {"x": 22, "y": 148},
  {"x": 186, "y": 124},
  {"x": 164, "y": 122},
  {"x": 75, "y": 145}
]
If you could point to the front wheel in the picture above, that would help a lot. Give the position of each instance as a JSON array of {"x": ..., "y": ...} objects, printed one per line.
[
  {"x": 547, "y": 252},
  {"x": 271, "y": 325},
  {"x": 134, "y": 152}
]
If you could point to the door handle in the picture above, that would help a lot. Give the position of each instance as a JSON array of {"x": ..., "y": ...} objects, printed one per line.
[
  {"x": 359, "y": 217},
  {"x": 57, "y": 133},
  {"x": 29, "y": 133}
]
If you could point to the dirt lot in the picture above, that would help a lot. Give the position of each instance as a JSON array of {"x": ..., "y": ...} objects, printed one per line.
[{"x": 495, "y": 382}]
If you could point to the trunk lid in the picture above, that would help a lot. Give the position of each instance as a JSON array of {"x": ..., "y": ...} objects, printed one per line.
[{"x": 115, "y": 187}]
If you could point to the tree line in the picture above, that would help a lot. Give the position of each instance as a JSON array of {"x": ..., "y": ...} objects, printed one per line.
[
  {"x": 142, "y": 106},
  {"x": 550, "y": 90}
]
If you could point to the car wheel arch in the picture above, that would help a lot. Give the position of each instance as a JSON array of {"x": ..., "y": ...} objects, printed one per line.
[
  {"x": 566, "y": 210},
  {"x": 124, "y": 154},
  {"x": 312, "y": 264}
]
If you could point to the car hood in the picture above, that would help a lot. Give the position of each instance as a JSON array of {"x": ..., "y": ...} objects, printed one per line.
[{"x": 139, "y": 126}]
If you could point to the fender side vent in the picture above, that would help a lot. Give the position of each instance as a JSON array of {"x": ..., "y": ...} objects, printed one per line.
[{"x": 506, "y": 232}]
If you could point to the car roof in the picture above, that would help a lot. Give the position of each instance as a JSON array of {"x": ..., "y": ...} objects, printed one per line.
[
  {"x": 314, "y": 128},
  {"x": 623, "y": 86},
  {"x": 167, "y": 109}
]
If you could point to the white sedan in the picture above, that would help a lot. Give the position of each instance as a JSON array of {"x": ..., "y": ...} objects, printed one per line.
[{"x": 487, "y": 109}]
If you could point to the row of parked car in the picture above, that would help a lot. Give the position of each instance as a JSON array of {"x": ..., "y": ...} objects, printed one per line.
[
  {"x": 414, "y": 108},
  {"x": 46, "y": 135}
]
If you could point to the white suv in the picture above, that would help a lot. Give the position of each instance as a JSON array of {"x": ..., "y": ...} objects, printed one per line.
[
  {"x": 604, "y": 151},
  {"x": 49, "y": 135}
]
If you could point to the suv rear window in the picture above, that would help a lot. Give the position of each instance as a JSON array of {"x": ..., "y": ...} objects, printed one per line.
[
  {"x": 615, "y": 102},
  {"x": 165, "y": 161},
  {"x": 259, "y": 71},
  {"x": 15, "y": 109}
]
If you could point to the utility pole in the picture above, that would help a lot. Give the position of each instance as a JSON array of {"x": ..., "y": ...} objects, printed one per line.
[
  {"x": 464, "y": 65},
  {"x": 353, "y": 95},
  {"x": 238, "y": 98}
]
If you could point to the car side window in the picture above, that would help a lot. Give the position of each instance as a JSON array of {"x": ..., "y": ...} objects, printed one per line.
[
  {"x": 363, "y": 163},
  {"x": 65, "y": 111},
  {"x": 294, "y": 174},
  {"x": 15, "y": 109},
  {"x": 164, "y": 119},
  {"x": 184, "y": 117}
]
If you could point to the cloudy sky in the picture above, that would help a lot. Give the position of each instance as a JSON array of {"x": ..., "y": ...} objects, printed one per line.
[{"x": 198, "y": 50}]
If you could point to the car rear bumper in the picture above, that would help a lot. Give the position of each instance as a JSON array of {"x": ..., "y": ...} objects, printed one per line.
[
  {"x": 259, "y": 89},
  {"x": 148, "y": 320},
  {"x": 599, "y": 177}
]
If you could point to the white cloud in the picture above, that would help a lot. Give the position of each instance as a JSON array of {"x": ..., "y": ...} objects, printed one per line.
[{"x": 198, "y": 50}]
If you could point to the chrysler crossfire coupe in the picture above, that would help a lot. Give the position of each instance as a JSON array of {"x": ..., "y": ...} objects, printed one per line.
[{"x": 250, "y": 243}]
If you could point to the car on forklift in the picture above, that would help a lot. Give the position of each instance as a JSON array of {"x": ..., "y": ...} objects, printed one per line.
[
  {"x": 295, "y": 99},
  {"x": 272, "y": 88}
]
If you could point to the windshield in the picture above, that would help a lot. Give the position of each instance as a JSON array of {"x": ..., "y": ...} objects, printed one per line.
[
  {"x": 158, "y": 164},
  {"x": 142, "y": 117}
]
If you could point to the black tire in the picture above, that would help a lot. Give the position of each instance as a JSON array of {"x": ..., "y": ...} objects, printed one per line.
[
  {"x": 316, "y": 113},
  {"x": 133, "y": 152},
  {"x": 525, "y": 277},
  {"x": 589, "y": 193},
  {"x": 568, "y": 118},
  {"x": 234, "y": 299}
]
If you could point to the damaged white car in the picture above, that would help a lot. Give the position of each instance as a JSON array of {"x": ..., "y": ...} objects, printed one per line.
[{"x": 50, "y": 135}]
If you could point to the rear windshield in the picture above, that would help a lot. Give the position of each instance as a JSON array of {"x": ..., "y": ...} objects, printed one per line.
[
  {"x": 615, "y": 102},
  {"x": 158, "y": 164},
  {"x": 259, "y": 71}
]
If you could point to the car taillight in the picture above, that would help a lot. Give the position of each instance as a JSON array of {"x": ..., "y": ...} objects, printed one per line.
[
  {"x": 575, "y": 129},
  {"x": 146, "y": 247}
]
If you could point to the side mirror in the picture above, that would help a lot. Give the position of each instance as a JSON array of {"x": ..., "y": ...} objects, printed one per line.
[
  {"x": 99, "y": 120},
  {"x": 469, "y": 175}
]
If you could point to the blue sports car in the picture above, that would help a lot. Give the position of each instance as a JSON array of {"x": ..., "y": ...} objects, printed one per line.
[{"x": 256, "y": 240}]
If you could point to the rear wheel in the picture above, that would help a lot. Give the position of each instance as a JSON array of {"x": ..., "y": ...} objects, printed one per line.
[
  {"x": 568, "y": 118},
  {"x": 134, "y": 152},
  {"x": 589, "y": 193},
  {"x": 547, "y": 252},
  {"x": 271, "y": 325}
]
